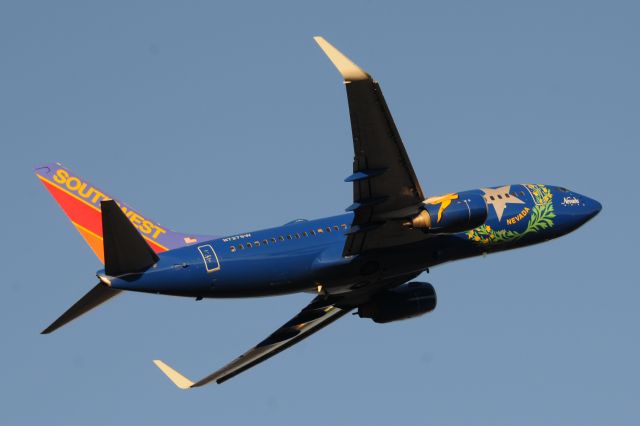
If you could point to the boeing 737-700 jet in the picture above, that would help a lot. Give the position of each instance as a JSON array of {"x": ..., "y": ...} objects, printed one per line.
[{"x": 362, "y": 260}]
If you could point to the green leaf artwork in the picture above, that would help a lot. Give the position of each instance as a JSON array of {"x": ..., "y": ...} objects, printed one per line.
[{"x": 542, "y": 216}]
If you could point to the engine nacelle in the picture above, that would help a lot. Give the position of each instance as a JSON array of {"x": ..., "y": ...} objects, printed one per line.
[
  {"x": 451, "y": 213},
  {"x": 406, "y": 301}
]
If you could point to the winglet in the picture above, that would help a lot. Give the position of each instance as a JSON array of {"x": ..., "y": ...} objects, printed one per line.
[
  {"x": 349, "y": 70},
  {"x": 178, "y": 379}
]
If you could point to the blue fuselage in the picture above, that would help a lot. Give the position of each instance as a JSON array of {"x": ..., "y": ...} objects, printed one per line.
[{"x": 305, "y": 254}]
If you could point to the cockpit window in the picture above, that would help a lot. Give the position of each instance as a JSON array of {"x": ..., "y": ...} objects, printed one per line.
[{"x": 561, "y": 189}]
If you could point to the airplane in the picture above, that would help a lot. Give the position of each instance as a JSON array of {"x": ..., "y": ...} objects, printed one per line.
[{"x": 364, "y": 260}]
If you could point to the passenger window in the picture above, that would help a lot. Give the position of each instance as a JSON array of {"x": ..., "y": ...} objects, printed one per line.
[
  {"x": 344, "y": 226},
  {"x": 240, "y": 246},
  {"x": 305, "y": 234},
  {"x": 320, "y": 231},
  {"x": 249, "y": 245},
  {"x": 233, "y": 249},
  {"x": 522, "y": 193},
  {"x": 506, "y": 195},
  {"x": 499, "y": 197},
  {"x": 265, "y": 242},
  {"x": 328, "y": 229},
  {"x": 313, "y": 233},
  {"x": 273, "y": 240},
  {"x": 297, "y": 236},
  {"x": 492, "y": 198},
  {"x": 289, "y": 237},
  {"x": 281, "y": 238},
  {"x": 335, "y": 228},
  {"x": 256, "y": 243}
]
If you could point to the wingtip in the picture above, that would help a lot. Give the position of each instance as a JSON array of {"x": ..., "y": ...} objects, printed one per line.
[
  {"x": 346, "y": 67},
  {"x": 178, "y": 379}
]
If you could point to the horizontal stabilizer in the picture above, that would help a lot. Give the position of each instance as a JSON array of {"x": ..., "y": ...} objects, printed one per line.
[
  {"x": 97, "y": 296},
  {"x": 125, "y": 250}
]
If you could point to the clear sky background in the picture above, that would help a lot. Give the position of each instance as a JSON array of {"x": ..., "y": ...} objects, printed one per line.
[{"x": 221, "y": 118}]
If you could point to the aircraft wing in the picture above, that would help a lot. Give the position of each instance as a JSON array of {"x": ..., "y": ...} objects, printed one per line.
[
  {"x": 315, "y": 316},
  {"x": 385, "y": 187},
  {"x": 322, "y": 311}
]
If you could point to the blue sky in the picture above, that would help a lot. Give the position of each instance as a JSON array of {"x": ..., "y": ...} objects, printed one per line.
[{"x": 221, "y": 118}]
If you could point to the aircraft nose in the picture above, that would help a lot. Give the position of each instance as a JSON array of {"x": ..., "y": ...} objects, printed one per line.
[{"x": 591, "y": 207}]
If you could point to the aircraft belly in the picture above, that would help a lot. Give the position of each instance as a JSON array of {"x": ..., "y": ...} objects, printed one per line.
[{"x": 263, "y": 276}]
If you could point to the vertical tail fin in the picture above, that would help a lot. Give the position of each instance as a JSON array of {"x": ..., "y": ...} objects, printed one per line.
[{"x": 80, "y": 201}]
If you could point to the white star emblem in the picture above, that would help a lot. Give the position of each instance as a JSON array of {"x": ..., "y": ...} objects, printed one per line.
[{"x": 499, "y": 198}]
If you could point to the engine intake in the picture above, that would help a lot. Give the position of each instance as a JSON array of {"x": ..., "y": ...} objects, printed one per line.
[
  {"x": 406, "y": 301},
  {"x": 451, "y": 213}
]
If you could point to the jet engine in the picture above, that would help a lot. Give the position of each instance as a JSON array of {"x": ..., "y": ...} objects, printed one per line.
[
  {"x": 403, "y": 302},
  {"x": 451, "y": 213}
]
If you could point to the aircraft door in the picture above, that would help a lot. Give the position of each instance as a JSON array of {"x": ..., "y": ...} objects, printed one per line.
[{"x": 209, "y": 257}]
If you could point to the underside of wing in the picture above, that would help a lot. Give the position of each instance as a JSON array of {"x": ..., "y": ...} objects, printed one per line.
[
  {"x": 322, "y": 311},
  {"x": 315, "y": 316},
  {"x": 385, "y": 187}
]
